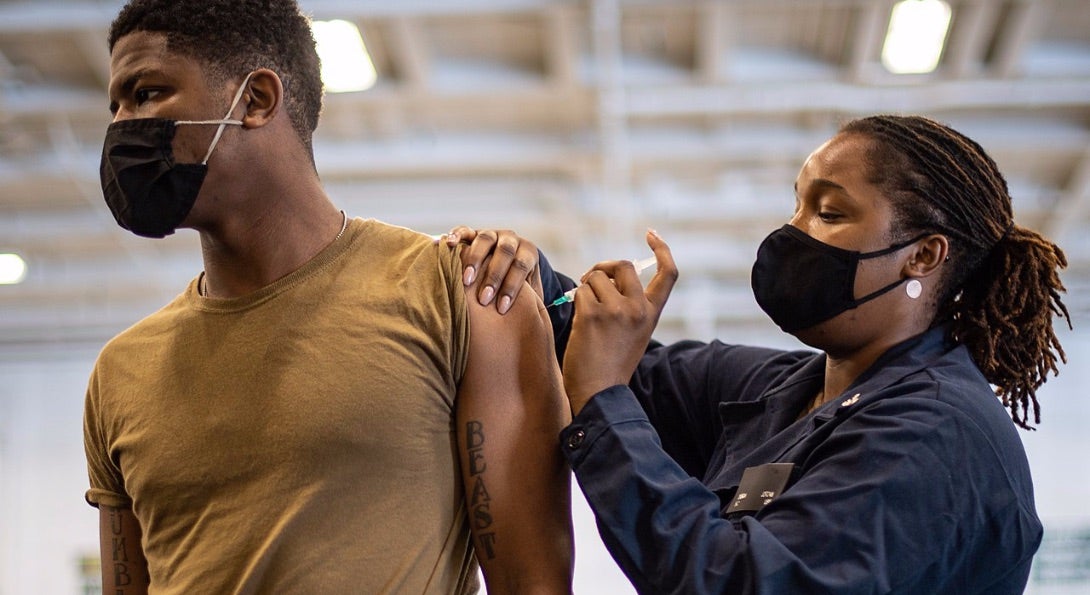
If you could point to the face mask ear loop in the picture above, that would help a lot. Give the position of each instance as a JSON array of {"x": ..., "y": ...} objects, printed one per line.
[
  {"x": 893, "y": 248},
  {"x": 898, "y": 246},
  {"x": 226, "y": 119},
  {"x": 875, "y": 254},
  {"x": 870, "y": 296}
]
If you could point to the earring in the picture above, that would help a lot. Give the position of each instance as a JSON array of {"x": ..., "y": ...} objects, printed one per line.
[{"x": 914, "y": 288}]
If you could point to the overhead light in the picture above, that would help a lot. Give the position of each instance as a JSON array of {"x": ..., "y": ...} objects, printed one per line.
[
  {"x": 346, "y": 65},
  {"x": 916, "y": 36},
  {"x": 12, "y": 269}
]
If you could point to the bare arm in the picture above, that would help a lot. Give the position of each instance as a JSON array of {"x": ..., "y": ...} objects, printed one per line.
[
  {"x": 510, "y": 410},
  {"x": 124, "y": 568}
]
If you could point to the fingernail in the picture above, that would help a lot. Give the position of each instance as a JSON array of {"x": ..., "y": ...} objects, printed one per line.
[
  {"x": 487, "y": 295},
  {"x": 452, "y": 239},
  {"x": 468, "y": 275},
  {"x": 654, "y": 233},
  {"x": 505, "y": 304}
]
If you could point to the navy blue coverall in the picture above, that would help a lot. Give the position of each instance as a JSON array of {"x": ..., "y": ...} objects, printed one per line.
[{"x": 914, "y": 480}]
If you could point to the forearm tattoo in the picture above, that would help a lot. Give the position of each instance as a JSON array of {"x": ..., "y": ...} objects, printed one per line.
[{"x": 479, "y": 514}]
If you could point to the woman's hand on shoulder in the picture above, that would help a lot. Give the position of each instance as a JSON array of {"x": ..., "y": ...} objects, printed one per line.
[{"x": 500, "y": 261}]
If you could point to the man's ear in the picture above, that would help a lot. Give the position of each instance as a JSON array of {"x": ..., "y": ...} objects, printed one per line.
[
  {"x": 927, "y": 257},
  {"x": 262, "y": 98}
]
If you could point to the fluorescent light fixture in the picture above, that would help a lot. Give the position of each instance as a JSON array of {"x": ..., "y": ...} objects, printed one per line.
[
  {"x": 916, "y": 36},
  {"x": 346, "y": 65},
  {"x": 12, "y": 269}
]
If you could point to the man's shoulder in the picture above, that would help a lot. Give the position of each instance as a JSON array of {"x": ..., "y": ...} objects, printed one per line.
[
  {"x": 395, "y": 237},
  {"x": 406, "y": 252},
  {"x": 154, "y": 325}
]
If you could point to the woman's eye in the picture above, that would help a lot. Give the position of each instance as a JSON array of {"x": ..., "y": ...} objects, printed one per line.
[{"x": 828, "y": 216}]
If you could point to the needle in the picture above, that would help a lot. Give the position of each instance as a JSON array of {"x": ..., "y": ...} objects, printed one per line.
[{"x": 641, "y": 265}]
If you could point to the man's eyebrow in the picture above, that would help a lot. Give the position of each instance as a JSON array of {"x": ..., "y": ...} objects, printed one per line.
[{"x": 127, "y": 85}]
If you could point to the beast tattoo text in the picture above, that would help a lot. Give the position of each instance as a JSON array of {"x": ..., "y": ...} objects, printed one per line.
[{"x": 479, "y": 514}]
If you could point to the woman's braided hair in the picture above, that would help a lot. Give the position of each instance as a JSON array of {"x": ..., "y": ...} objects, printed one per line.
[{"x": 1001, "y": 286}]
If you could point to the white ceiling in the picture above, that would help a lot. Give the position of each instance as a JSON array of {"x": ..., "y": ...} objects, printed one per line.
[{"x": 577, "y": 122}]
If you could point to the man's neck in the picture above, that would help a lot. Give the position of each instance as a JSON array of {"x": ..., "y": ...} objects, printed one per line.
[{"x": 246, "y": 255}]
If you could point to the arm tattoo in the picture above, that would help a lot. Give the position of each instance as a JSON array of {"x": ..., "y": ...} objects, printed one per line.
[
  {"x": 123, "y": 568},
  {"x": 480, "y": 515}
]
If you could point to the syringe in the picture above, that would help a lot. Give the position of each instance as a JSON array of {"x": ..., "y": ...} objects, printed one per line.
[{"x": 641, "y": 265}]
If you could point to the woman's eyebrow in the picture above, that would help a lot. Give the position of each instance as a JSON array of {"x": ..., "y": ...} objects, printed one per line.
[
  {"x": 822, "y": 184},
  {"x": 825, "y": 184}
]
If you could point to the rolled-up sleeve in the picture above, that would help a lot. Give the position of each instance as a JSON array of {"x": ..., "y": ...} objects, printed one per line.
[{"x": 106, "y": 483}]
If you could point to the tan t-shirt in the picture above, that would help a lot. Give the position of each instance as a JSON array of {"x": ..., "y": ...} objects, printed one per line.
[{"x": 299, "y": 439}]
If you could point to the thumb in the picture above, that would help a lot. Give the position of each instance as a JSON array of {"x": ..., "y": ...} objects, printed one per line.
[{"x": 659, "y": 288}]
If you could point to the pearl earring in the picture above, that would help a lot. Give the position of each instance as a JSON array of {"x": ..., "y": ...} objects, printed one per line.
[{"x": 914, "y": 288}]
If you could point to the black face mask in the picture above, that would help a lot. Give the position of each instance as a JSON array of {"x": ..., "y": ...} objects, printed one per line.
[
  {"x": 800, "y": 281},
  {"x": 148, "y": 192}
]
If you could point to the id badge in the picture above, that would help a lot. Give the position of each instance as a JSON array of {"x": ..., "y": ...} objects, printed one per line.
[{"x": 759, "y": 486}]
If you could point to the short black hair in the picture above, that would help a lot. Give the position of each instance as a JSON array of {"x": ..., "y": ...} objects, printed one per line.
[{"x": 235, "y": 37}]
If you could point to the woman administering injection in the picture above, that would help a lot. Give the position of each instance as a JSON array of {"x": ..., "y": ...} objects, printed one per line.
[{"x": 884, "y": 462}]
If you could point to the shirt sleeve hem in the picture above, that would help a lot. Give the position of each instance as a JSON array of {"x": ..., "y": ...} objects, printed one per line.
[{"x": 97, "y": 497}]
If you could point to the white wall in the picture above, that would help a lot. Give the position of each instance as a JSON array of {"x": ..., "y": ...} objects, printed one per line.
[
  {"x": 45, "y": 524},
  {"x": 1059, "y": 455}
]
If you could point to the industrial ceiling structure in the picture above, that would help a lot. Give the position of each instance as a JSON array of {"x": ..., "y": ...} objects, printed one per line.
[{"x": 579, "y": 123}]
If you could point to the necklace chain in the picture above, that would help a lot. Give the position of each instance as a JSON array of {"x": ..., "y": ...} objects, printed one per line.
[
  {"x": 202, "y": 288},
  {"x": 344, "y": 225}
]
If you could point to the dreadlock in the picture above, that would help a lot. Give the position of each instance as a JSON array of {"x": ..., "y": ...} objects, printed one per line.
[{"x": 1002, "y": 287}]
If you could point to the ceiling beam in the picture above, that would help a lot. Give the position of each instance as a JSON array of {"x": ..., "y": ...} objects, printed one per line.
[
  {"x": 1072, "y": 212},
  {"x": 968, "y": 42},
  {"x": 386, "y": 8},
  {"x": 409, "y": 52},
  {"x": 561, "y": 49},
  {"x": 1018, "y": 30},
  {"x": 7, "y": 69},
  {"x": 550, "y": 151},
  {"x": 50, "y": 17},
  {"x": 57, "y": 16},
  {"x": 92, "y": 43},
  {"x": 712, "y": 27},
  {"x": 868, "y": 29},
  {"x": 615, "y": 170},
  {"x": 835, "y": 97}
]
